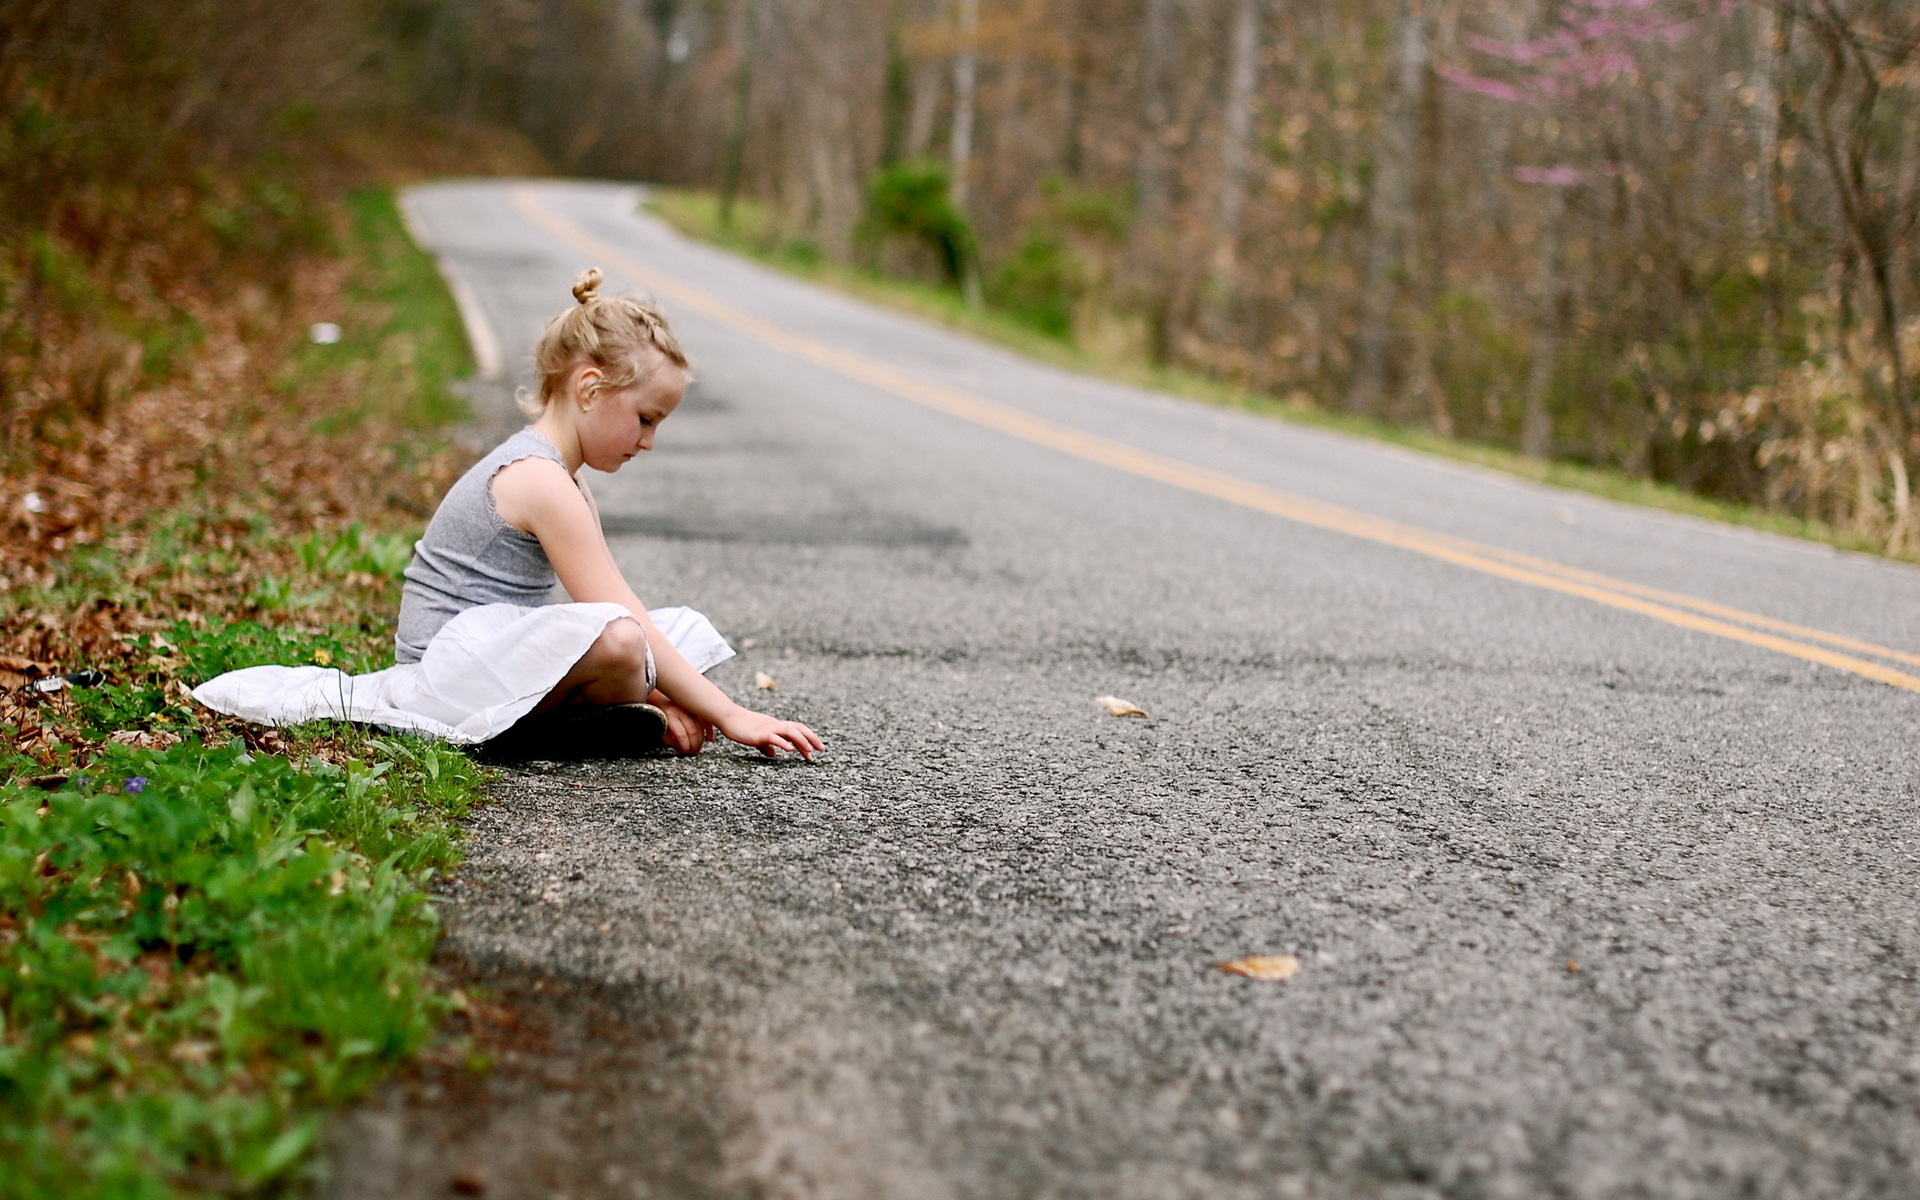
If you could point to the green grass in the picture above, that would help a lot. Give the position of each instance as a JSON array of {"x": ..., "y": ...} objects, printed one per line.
[
  {"x": 756, "y": 233},
  {"x": 409, "y": 359},
  {"x": 204, "y": 948}
]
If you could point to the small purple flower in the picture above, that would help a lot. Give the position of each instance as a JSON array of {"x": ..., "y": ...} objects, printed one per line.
[{"x": 137, "y": 784}]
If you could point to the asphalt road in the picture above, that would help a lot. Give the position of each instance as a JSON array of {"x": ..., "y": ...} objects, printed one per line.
[{"x": 1587, "y": 902}]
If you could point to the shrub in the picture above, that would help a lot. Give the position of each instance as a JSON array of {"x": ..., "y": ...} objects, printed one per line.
[
  {"x": 913, "y": 200},
  {"x": 1060, "y": 257}
]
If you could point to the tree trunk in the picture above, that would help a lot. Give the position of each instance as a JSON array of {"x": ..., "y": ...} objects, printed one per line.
[
  {"x": 1536, "y": 421},
  {"x": 1150, "y": 166},
  {"x": 923, "y": 108},
  {"x": 1079, "y": 67},
  {"x": 966, "y": 66},
  {"x": 1765, "y": 110},
  {"x": 736, "y": 146},
  {"x": 1151, "y": 251},
  {"x": 1236, "y": 130},
  {"x": 1390, "y": 207}
]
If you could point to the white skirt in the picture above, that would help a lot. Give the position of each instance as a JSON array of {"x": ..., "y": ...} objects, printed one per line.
[{"x": 484, "y": 670}]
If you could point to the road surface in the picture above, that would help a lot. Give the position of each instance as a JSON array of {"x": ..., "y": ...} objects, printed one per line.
[{"x": 1592, "y": 829}]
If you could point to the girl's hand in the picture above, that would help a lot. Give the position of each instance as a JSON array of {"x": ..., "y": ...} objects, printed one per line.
[
  {"x": 686, "y": 733},
  {"x": 769, "y": 735}
]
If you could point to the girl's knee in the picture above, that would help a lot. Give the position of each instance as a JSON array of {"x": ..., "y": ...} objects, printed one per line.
[{"x": 623, "y": 646}]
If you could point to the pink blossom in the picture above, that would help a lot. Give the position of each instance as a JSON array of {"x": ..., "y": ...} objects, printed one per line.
[
  {"x": 1551, "y": 176},
  {"x": 1469, "y": 82}
]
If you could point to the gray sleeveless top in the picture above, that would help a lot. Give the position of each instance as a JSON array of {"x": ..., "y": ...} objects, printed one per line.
[{"x": 469, "y": 556}]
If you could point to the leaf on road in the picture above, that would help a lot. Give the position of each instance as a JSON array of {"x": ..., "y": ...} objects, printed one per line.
[
  {"x": 764, "y": 681},
  {"x": 1264, "y": 966},
  {"x": 469, "y": 1181},
  {"x": 1116, "y": 707}
]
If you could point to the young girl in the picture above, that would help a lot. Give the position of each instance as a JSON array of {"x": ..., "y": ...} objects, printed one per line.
[{"x": 480, "y": 652}]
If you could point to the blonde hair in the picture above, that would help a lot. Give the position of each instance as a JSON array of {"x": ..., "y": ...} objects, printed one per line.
[{"x": 608, "y": 332}]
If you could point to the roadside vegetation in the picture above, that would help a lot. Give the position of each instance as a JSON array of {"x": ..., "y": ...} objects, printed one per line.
[
  {"x": 1041, "y": 331},
  {"x": 209, "y": 933},
  {"x": 227, "y": 390}
]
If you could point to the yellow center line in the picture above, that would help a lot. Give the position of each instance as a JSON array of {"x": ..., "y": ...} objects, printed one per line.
[{"x": 1687, "y": 612}]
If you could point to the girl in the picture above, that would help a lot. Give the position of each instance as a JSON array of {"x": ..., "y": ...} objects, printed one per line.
[{"x": 480, "y": 652}]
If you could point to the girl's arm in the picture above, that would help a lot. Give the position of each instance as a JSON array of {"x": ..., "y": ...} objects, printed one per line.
[
  {"x": 537, "y": 495},
  {"x": 686, "y": 732}
]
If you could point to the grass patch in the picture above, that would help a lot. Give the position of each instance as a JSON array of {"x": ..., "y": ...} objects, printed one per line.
[
  {"x": 210, "y": 934},
  {"x": 205, "y": 947},
  {"x": 407, "y": 357},
  {"x": 756, "y": 233}
]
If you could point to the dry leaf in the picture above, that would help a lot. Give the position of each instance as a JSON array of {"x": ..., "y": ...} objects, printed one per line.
[
  {"x": 1264, "y": 966},
  {"x": 764, "y": 681},
  {"x": 145, "y": 739},
  {"x": 1116, "y": 707}
]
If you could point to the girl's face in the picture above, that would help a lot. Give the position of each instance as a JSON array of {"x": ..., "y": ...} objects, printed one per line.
[{"x": 614, "y": 424}]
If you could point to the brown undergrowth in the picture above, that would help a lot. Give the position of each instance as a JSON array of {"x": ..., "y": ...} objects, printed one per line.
[{"x": 269, "y": 479}]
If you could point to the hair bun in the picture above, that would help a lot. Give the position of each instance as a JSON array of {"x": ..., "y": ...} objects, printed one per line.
[{"x": 586, "y": 289}]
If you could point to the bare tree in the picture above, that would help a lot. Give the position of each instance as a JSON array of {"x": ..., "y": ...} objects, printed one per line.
[
  {"x": 746, "y": 25},
  {"x": 1536, "y": 420},
  {"x": 1390, "y": 206},
  {"x": 1236, "y": 132},
  {"x": 966, "y": 67},
  {"x": 1156, "y": 115},
  {"x": 1846, "y": 121}
]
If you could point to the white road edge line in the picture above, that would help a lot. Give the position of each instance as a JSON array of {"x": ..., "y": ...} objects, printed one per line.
[{"x": 480, "y": 337}]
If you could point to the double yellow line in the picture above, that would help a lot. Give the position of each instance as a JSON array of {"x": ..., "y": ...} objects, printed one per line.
[{"x": 1687, "y": 612}]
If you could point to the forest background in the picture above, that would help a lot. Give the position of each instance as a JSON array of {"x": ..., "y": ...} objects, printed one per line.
[{"x": 1676, "y": 237}]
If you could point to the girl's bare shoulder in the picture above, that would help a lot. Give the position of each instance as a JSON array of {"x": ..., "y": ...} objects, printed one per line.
[{"x": 528, "y": 489}]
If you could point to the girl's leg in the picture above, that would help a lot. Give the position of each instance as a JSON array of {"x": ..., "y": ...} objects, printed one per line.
[{"x": 612, "y": 671}]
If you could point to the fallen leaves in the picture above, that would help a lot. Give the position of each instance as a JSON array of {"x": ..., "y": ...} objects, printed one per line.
[
  {"x": 14, "y": 662},
  {"x": 1264, "y": 966},
  {"x": 1116, "y": 707},
  {"x": 145, "y": 739},
  {"x": 764, "y": 681}
]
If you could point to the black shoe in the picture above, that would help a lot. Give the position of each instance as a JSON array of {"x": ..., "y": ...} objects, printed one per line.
[{"x": 634, "y": 730}]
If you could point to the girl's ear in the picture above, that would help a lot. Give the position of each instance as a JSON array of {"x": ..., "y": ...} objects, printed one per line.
[{"x": 586, "y": 383}]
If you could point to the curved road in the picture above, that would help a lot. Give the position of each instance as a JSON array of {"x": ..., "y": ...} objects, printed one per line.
[{"x": 1592, "y": 829}]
